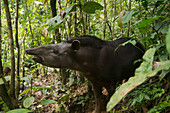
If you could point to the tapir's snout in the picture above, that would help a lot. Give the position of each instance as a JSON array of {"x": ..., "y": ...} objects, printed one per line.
[
  {"x": 36, "y": 58},
  {"x": 30, "y": 51}
]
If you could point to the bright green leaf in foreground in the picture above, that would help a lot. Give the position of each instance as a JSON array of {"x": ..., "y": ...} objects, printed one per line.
[
  {"x": 20, "y": 111},
  {"x": 45, "y": 102},
  {"x": 142, "y": 74},
  {"x": 168, "y": 41}
]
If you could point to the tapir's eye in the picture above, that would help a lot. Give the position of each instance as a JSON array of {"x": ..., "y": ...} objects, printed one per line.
[{"x": 55, "y": 51}]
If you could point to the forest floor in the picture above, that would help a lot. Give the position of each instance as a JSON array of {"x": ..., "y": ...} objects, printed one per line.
[{"x": 74, "y": 99}]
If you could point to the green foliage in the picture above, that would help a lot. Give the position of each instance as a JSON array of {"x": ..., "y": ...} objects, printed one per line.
[
  {"x": 55, "y": 23},
  {"x": 91, "y": 6},
  {"x": 88, "y": 7},
  {"x": 142, "y": 74},
  {"x": 168, "y": 41},
  {"x": 45, "y": 102},
  {"x": 20, "y": 111},
  {"x": 127, "y": 17},
  {"x": 28, "y": 102},
  {"x": 160, "y": 107},
  {"x": 149, "y": 22},
  {"x": 149, "y": 95},
  {"x": 7, "y": 78}
]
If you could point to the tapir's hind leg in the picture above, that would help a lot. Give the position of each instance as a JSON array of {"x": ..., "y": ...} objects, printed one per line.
[{"x": 100, "y": 99}]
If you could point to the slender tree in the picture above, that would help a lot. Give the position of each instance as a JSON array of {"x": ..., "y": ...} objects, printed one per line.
[
  {"x": 54, "y": 13},
  {"x": 129, "y": 8},
  {"x": 105, "y": 19},
  {"x": 10, "y": 101},
  {"x": 18, "y": 48},
  {"x": 12, "y": 86},
  {"x": 112, "y": 17},
  {"x": 75, "y": 22}
]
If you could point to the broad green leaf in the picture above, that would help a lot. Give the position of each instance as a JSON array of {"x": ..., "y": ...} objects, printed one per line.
[
  {"x": 55, "y": 22},
  {"x": 45, "y": 102},
  {"x": 7, "y": 78},
  {"x": 27, "y": 77},
  {"x": 127, "y": 16},
  {"x": 168, "y": 41},
  {"x": 147, "y": 21},
  {"x": 28, "y": 102},
  {"x": 70, "y": 8},
  {"x": 91, "y": 6},
  {"x": 19, "y": 111},
  {"x": 142, "y": 74}
]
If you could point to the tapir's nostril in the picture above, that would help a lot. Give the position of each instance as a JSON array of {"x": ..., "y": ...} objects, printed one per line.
[{"x": 26, "y": 51}]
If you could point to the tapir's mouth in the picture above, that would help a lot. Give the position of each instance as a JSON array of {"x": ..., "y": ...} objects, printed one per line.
[{"x": 38, "y": 59}]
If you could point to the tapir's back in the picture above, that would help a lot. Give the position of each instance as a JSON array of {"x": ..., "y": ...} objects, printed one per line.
[{"x": 117, "y": 59}]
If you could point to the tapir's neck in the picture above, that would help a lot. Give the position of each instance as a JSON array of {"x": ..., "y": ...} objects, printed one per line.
[{"x": 84, "y": 60}]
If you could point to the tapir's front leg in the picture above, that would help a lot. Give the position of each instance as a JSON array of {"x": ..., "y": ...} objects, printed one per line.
[{"x": 100, "y": 100}]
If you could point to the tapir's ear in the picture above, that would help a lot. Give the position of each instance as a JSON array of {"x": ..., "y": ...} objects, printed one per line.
[{"x": 75, "y": 45}]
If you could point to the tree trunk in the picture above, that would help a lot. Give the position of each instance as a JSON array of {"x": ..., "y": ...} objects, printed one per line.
[
  {"x": 129, "y": 8},
  {"x": 56, "y": 35},
  {"x": 12, "y": 86},
  {"x": 120, "y": 10},
  {"x": 105, "y": 20},
  {"x": 18, "y": 49},
  {"x": 111, "y": 18},
  {"x": 75, "y": 21},
  {"x": 23, "y": 63}
]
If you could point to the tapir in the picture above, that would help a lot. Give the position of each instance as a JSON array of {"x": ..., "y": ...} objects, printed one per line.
[{"x": 103, "y": 63}]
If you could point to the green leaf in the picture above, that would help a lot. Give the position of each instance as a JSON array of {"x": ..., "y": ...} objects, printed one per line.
[
  {"x": 142, "y": 74},
  {"x": 27, "y": 77},
  {"x": 24, "y": 92},
  {"x": 168, "y": 41},
  {"x": 7, "y": 78},
  {"x": 19, "y": 111},
  {"x": 147, "y": 22},
  {"x": 127, "y": 16},
  {"x": 28, "y": 102},
  {"x": 47, "y": 87},
  {"x": 133, "y": 42},
  {"x": 54, "y": 23},
  {"x": 65, "y": 97},
  {"x": 91, "y": 7},
  {"x": 45, "y": 102},
  {"x": 69, "y": 9},
  {"x": 47, "y": 40}
]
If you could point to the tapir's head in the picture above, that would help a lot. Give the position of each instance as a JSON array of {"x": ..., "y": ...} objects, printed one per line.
[{"x": 55, "y": 55}]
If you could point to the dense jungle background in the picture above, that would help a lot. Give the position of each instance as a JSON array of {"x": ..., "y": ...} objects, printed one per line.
[{"x": 26, "y": 86}]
